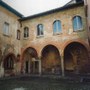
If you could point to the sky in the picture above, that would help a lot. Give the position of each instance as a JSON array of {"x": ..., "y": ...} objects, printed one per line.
[{"x": 31, "y": 7}]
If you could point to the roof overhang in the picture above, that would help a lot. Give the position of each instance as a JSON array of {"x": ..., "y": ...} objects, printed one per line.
[
  {"x": 3, "y": 4},
  {"x": 65, "y": 7}
]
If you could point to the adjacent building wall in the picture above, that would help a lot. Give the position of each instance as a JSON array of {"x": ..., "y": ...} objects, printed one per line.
[
  {"x": 87, "y": 8},
  {"x": 8, "y": 44}
]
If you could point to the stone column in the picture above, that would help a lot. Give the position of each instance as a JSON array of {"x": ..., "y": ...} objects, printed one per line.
[
  {"x": 34, "y": 66},
  {"x": 62, "y": 65},
  {"x": 15, "y": 68},
  {"x": 29, "y": 69},
  {"x": 39, "y": 62},
  {"x": 1, "y": 70},
  {"x": 40, "y": 71}
]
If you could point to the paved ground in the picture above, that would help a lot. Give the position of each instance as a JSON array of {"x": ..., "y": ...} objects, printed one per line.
[{"x": 44, "y": 83}]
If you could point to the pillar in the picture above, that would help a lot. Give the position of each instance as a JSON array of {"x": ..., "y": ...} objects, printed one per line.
[
  {"x": 33, "y": 67},
  {"x": 40, "y": 66},
  {"x": 1, "y": 70},
  {"x": 29, "y": 69},
  {"x": 62, "y": 65}
]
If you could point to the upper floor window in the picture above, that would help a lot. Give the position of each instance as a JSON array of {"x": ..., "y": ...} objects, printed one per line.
[
  {"x": 26, "y": 32},
  {"x": 18, "y": 34},
  {"x": 40, "y": 30},
  {"x": 57, "y": 27},
  {"x": 77, "y": 23},
  {"x": 6, "y": 29}
]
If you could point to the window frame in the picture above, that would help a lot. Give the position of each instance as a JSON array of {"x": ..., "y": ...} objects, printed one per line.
[
  {"x": 26, "y": 32},
  {"x": 77, "y": 23},
  {"x": 58, "y": 28},
  {"x": 6, "y": 27},
  {"x": 18, "y": 34},
  {"x": 40, "y": 32}
]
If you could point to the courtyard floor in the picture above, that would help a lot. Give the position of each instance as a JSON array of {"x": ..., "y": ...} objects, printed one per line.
[{"x": 44, "y": 83}]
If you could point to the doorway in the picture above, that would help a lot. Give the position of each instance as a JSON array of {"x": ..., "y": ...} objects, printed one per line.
[
  {"x": 27, "y": 67},
  {"x": 35, "y": 69}
]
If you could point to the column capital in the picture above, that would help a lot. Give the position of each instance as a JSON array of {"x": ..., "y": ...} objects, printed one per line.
[
  {"x": 39, "y": 57},
  {"x": 62, "y": 52}
]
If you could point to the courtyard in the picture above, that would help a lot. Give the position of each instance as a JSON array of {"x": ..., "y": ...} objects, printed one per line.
[{"x": 44, "y": 83}]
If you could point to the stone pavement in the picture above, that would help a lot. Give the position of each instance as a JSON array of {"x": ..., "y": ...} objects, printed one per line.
[{"x": 44, "y": 83}]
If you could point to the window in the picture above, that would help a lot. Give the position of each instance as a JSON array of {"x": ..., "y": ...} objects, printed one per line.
[
  {"x": 9, "y": 63},
  {"x": 77, "y": 23},
  {"x": 57, "y": 27},
  {"x": 6, "y": 29},
  {"x": 18, "y": 34},
  {"x": 26, "y": 32},
  {"x": 39, "y": 30}
]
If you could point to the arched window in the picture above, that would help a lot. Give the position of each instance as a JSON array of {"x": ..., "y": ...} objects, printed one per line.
[
  {"x": 40, "y": 30},
  {"x": 6, "y": 30},
  {"x": 26, "y": 32},
  {"x": 18, "y": 34},
  {"x": 77, "y": 23},
  {"x": 57, "y": 27}
]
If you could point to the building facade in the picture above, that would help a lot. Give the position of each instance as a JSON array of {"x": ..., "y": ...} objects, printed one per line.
[
  {"x": 87, "y": 11},
  {"x": 9, "y": 44},
  {"x": 53, "y": 42},
  {"x": 87, "y": 3}
]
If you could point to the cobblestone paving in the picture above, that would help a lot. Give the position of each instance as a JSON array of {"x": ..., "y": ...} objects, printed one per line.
[{"x": 38, "y": 83}]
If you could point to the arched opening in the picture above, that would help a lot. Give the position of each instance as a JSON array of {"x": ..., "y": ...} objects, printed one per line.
[
  {"x": 51, "y": 61},
  {"x": 26, "y": 32},
  {"x": 30, "y": 62},
  {"x": 76, "y": 58},
  {"x": 9, "y": 65}
]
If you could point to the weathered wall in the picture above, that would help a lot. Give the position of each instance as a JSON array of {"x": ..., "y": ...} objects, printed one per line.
[
  {"x": 87, "y": 2},
  {"x": 87, "y": 7},
  {"x": 6, "y": 16},
  {"x": 60, "y": 40},
  {"x": 9, "y": 44}
]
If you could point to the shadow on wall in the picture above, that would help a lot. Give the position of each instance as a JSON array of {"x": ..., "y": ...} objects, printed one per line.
[{"x": 51, "y": 61}]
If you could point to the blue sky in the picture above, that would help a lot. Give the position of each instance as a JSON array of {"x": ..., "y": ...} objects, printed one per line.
[{"x": 30, "y": 7}]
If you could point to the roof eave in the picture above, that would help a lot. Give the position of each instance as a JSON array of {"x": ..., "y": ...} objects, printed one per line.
[
  {"x": 52, "y": 11},
  {"x": 3, "y": 4}
]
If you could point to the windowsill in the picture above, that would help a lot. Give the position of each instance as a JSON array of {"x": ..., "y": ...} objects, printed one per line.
[
  {"x": 6, "y": 35},
  {"x": 78, "y": 30},
  {"x": 18, "y": 39},
  {"x": 39, "y": 36},
  {"x": 26, "y": 38},
  {"x": 59, "y": 33}
]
